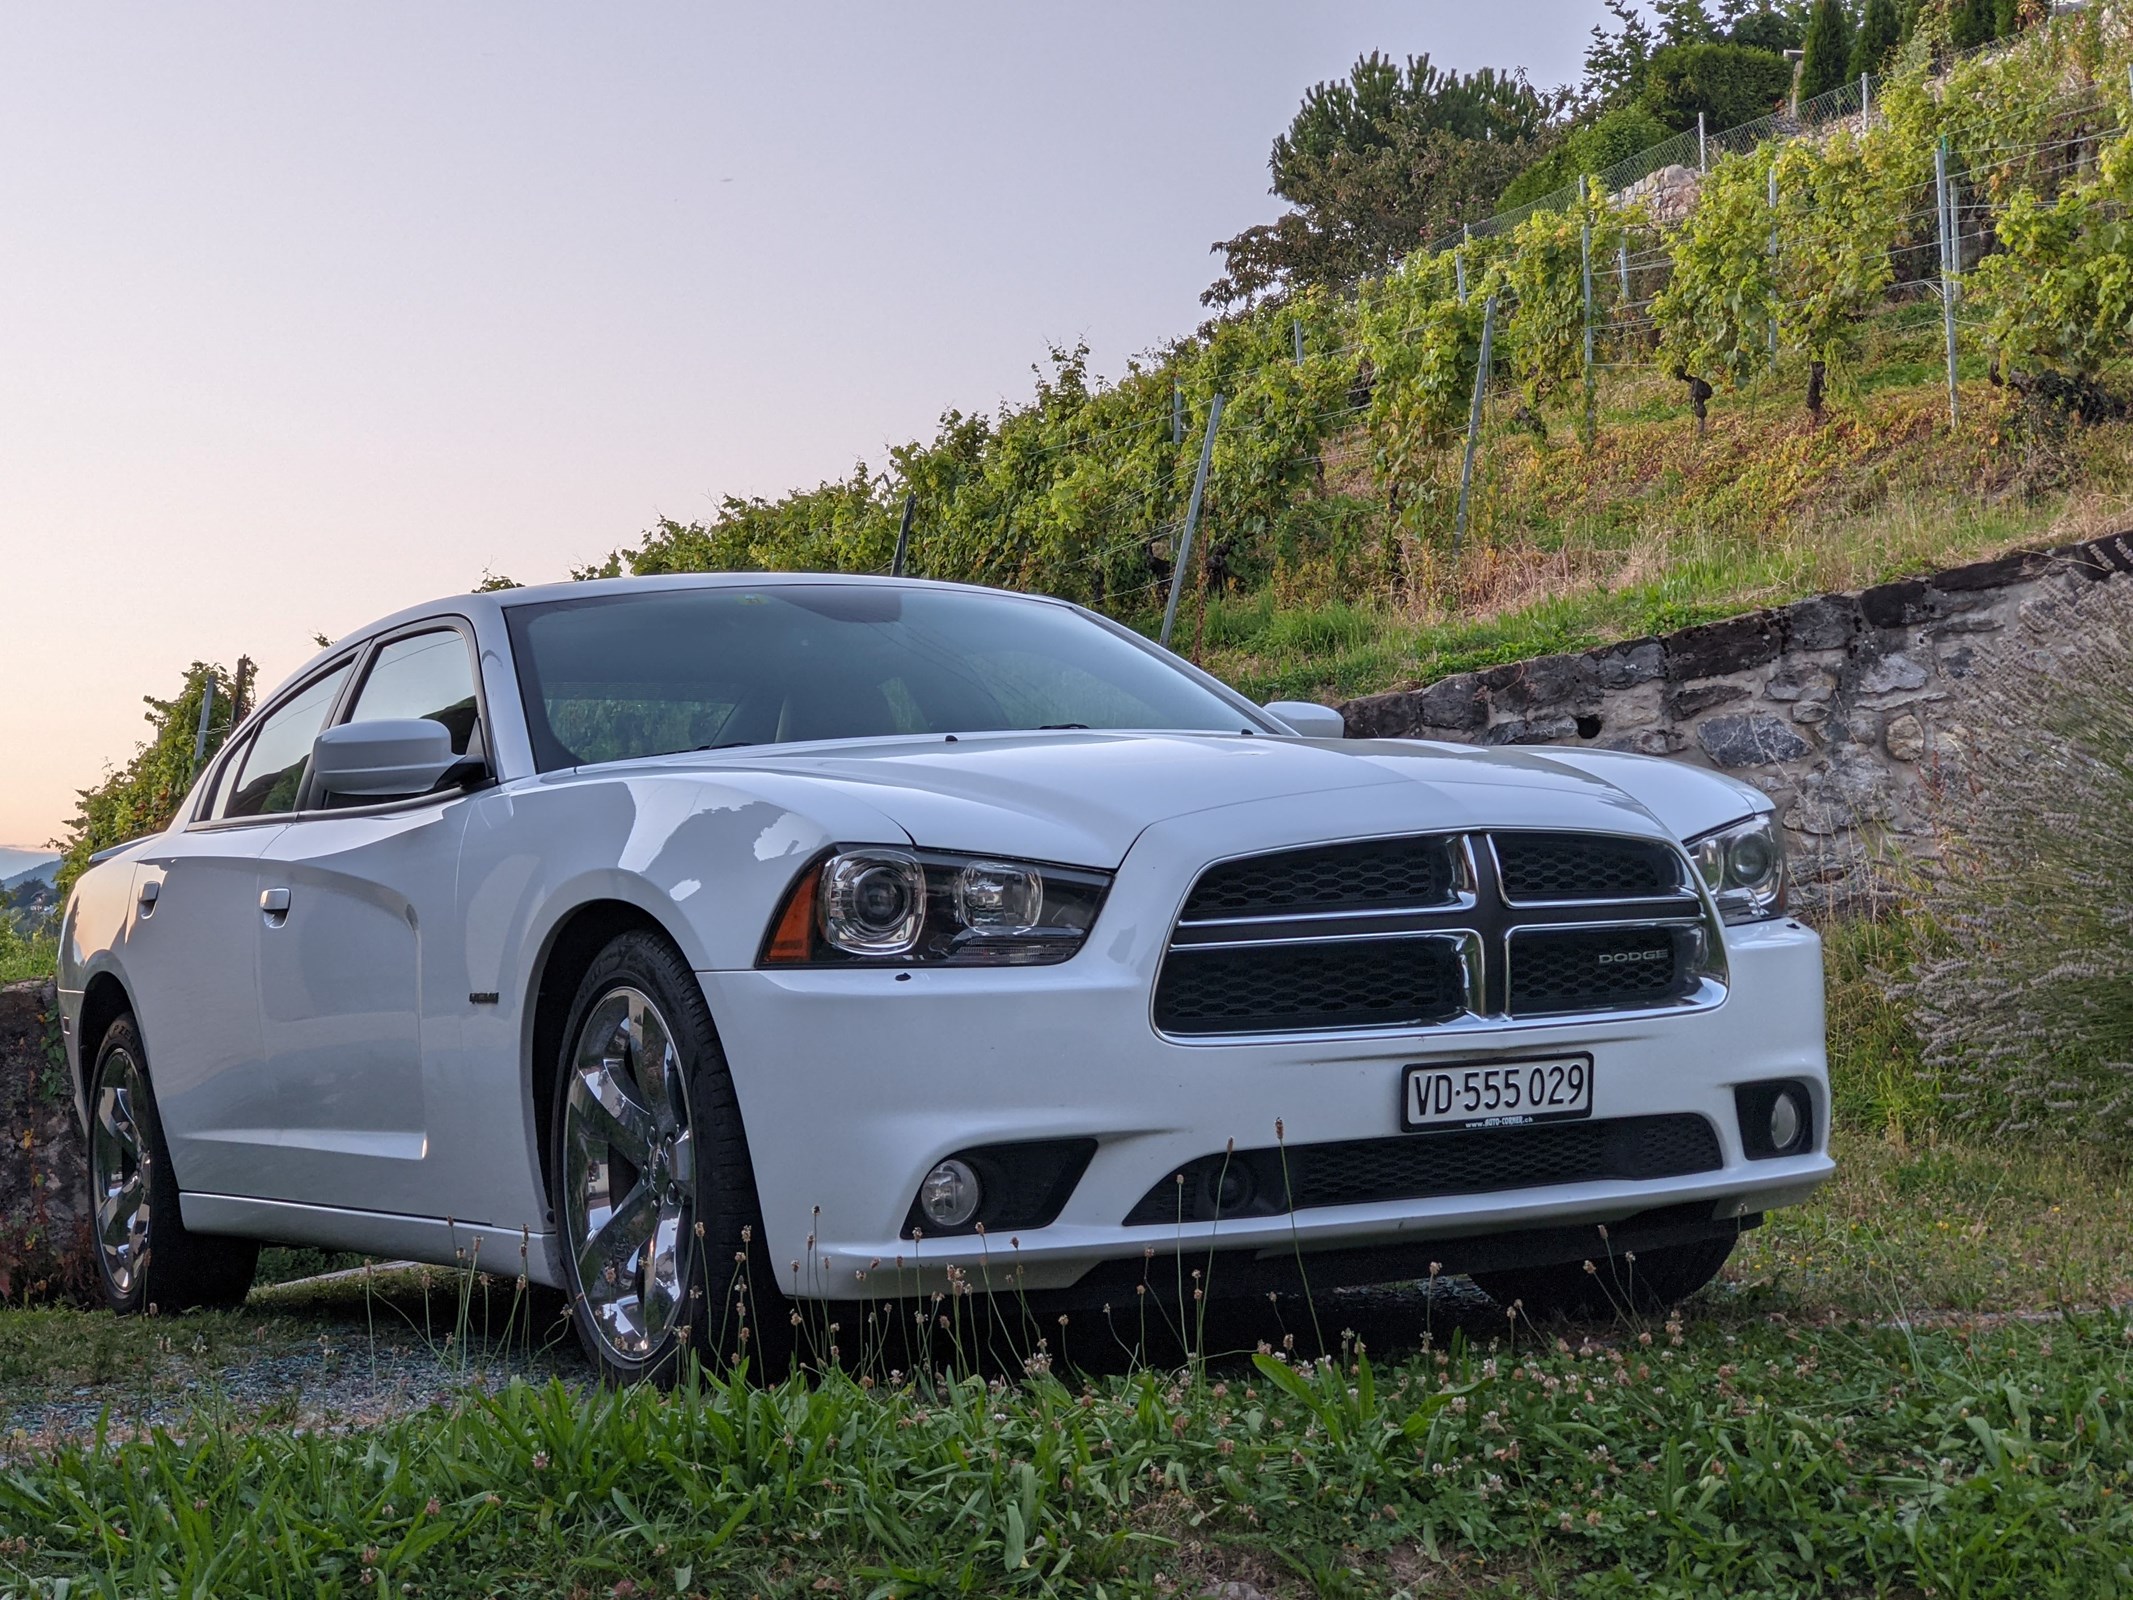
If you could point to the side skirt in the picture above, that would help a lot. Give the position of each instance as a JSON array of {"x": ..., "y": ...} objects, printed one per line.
[{"x": 440, "y": 1241}]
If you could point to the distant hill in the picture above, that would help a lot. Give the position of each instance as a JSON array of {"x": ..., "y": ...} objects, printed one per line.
[{"x": 19, "y": 866}]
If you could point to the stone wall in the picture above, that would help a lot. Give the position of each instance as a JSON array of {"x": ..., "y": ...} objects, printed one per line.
[
  {"x": 1837, "y": 707},
  {"x": 44, "y": 1206}
]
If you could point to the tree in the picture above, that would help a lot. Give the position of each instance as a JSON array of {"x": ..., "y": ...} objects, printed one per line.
[
  {"x": 143, "y": 795},
  {"x": 1972, "y": 23},
  {"x": 1377, "y": 164},
  {"x": 1880, "y": 32},
  {"x": 1729, "y": 83},
  {"x": 1828, "y": 51},
  {"x": 1615, "y": 62},
  {"x": 1685, "y": 22},
  {"x": 1765, "y": 29},
  {"x": 1589, "y": 150}
]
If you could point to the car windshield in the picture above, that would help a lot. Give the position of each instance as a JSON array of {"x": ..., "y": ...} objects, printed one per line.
[{"x": 617, "y": 676}]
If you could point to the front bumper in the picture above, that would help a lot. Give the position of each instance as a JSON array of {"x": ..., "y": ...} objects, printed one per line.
[{"x": 852, "y": 1084}]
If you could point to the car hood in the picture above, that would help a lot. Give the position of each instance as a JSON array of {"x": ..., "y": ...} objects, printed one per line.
[{"x": 1084, "y": 797}]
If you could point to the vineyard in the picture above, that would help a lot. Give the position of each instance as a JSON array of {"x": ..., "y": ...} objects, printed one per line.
[{"x": 1891, "y": 329}]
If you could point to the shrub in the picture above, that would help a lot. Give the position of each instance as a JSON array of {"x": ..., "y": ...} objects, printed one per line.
[
  {"x": 2019, "y": 993},
  {"x": 1729, "y": 83}
]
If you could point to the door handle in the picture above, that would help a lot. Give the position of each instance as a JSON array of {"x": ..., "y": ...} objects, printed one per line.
[
  {"x": 274, "y": 903},
  {"x": 150, "y": 892}
]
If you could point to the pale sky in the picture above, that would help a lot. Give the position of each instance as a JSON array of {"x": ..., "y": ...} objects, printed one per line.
[{"x": 309, "y": 313}]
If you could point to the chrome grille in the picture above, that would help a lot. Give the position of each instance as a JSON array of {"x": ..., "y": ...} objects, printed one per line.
[{"x": 1428, "y": 930}]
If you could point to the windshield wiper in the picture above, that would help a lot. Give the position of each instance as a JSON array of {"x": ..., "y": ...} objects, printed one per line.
[
  {"x": 1057, "y": 727},
  {"x": 730, "y": 744}
]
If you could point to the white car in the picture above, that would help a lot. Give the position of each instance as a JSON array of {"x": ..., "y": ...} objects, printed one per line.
[{"x": 699, "y": 944}]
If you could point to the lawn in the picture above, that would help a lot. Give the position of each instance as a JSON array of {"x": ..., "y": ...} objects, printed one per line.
[{"x": 1916, "y": 1385}]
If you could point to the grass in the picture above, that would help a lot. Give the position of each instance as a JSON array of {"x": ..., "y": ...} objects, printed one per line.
[
  {"x": 26, "y": 956},
  {"x": 1654, "y": 529},
  {"x": 1914, "y": 1385}
]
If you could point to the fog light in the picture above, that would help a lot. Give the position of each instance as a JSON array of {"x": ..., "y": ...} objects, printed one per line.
[
  {"x": 950, "y": 1196},
  {"x": 1785, "y": 1120}
]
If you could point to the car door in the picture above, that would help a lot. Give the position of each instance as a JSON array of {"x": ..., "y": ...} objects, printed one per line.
[
  {"x": 190, "y": 951},
  {"x": 361, "y": 968}
]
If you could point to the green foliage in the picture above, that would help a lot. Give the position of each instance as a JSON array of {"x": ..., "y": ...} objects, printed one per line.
[
  {"x": 1378, "y": 161},
  {"x": 1697, "y": 1457},
  {"x": 1828, "y": 51},
  {"x": 1591, "y": 148},
  {"x": 1729, "y": 83},
  {"x": 26, "y": 955},
  {"x": 1544, "y": 275},
  {"x": 1840, "y": 204},
  {"x": 1715, "y": 312},
  {"x": 1972, "y": 23},
  {"x": 1875, "y": 45},
  {"x": 2059, "y": 292},
  {"x": 144, "y": 795}
]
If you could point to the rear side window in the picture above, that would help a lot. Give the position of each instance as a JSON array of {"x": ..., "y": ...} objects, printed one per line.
[
  {"x": 426, "y": 675},
  {"x": 272, "y": 774}
]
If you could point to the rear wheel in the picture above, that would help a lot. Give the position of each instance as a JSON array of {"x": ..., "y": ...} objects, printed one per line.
[
  {"x": 146, "y": 1258},
  {"x": 1645, "y": 1281},
  {"x": 654, "y": 1191}
]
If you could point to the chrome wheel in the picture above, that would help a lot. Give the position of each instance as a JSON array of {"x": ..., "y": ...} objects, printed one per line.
[
  {"x": 118, "y": 1157},
  {"x": 629, "y": 1178}
]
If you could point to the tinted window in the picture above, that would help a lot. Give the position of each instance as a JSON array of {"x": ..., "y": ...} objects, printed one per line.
[
  {"x": 426, "y": 675},
  {"x": 617, "y": 676},
  {"x": 273, "y": 768}
]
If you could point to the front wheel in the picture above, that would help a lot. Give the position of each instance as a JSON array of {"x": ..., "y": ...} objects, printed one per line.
[
  {"x": 146, "y": 1258},
  {"x": 1646, "y": 1281},
  {"x": 653, "y": 1187}
]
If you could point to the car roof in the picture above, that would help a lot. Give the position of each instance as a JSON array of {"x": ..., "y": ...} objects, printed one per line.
[{"x": 490, "y": 605}]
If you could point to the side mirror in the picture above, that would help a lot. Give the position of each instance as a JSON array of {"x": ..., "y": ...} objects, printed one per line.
[
  {"x": 381, "y": 760},
  {"x": 1308, "y": 721}
]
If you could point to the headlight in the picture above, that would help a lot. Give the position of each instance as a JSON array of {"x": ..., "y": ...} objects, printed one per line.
[
  {"x": 904, "y": 907},
  {"x": 1744, "y": 865}
]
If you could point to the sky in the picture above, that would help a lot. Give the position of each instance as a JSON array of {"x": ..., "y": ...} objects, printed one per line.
[{"x": 311, "y": 313}]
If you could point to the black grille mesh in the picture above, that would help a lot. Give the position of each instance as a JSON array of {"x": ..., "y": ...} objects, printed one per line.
[
  {"x": 1374, "y": 872},
  {"x": 1578, "y": 969},
  {"x": 1365, "y": 983},
  {"x": 1267, "y": 1182},
  {"x": 1578, "y": 866}
]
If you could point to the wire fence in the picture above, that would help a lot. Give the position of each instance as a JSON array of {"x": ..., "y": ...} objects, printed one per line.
[{"x": 1312, "y": 424}]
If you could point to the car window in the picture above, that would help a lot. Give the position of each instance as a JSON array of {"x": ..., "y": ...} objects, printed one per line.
[
  {"x": 425, "y": 675},
  {"x": 273, "y": 772},
  {"x": 618, "y": 676}
]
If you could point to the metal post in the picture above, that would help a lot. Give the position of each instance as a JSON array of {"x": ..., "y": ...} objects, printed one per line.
[
  {"x": 1703, "y": 159},
  {"x": 207, "y": 706},
  {"x": 1950, "y": 263},
  {"x": 903, "y": 535},
  {"x": 1192, "y": 520},
  {"x": 1585, "y": 248},
  {"x": 1177, "y": 412},
  {"x": 1473, "y": 422},
  {"x": 1773, "y": 259},
  {"x": 1622, "y": 266},
  {"x": 1297, "y": 328},
  {"x": 1866, "y": 100},
  {"x": 1459, "y": 272}
]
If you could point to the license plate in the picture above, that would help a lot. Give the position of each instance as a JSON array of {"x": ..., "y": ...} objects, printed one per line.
[{"x": 1496, "y": 1094}]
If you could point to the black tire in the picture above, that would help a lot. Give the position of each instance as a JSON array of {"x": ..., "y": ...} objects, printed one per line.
[
  {"x": 147, "y": 1260},
  {"x": 1640, "y": 1282},
  {"x": 731, "y": 1307}
]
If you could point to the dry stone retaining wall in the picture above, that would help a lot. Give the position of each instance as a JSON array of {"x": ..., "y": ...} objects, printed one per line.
[
  {"x": 44, "y": 1206},
  {"x": 1838, "y": 707}
]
